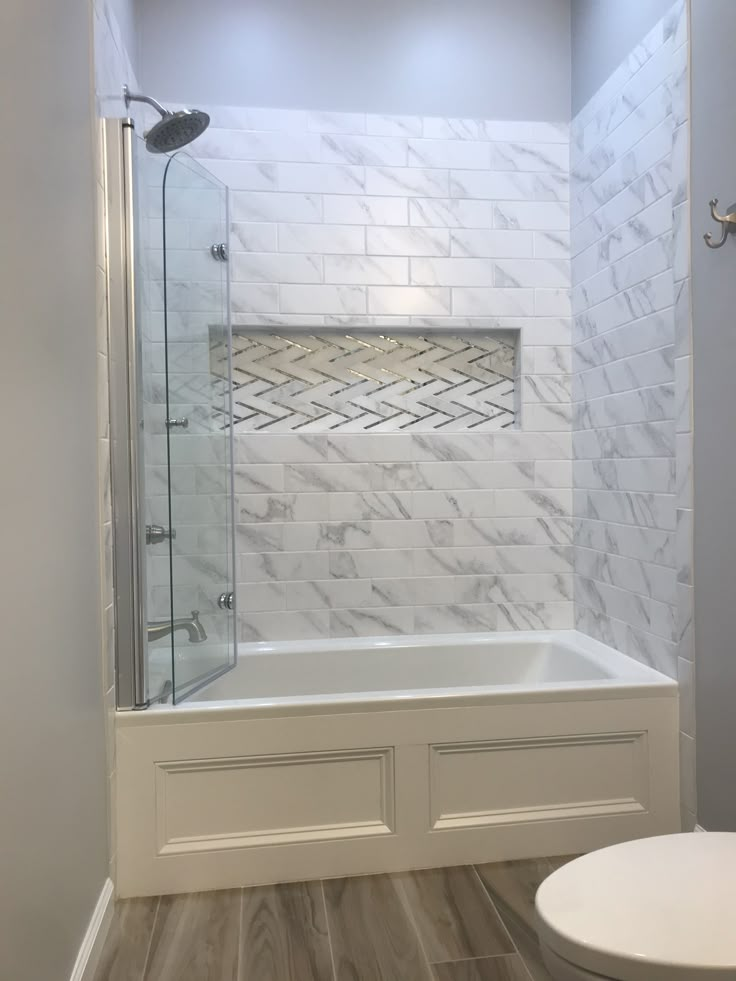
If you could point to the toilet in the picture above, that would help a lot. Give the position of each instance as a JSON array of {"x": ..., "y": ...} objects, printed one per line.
[{"x": 658, "y": 909}]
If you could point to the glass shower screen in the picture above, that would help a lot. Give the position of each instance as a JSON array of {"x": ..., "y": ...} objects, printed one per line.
[
  {"x": 170, "y": 396},
  {"x": 192, "y": 377}
]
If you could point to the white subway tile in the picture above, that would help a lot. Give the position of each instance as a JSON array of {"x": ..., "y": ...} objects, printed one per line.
[
  {"x": 232, "y": 144},
  {"x": 408, "y": 300},
  {"x": 263, "y": 206},
  {"x": 540, "y": 273},
  {"x": 537, "y": 216},
  {"x": 357, "y": 209},
  {"x": 369, "y": 151},
  {"x": 452, "y": 272},
  {"x": 323, "y": 299},
  {"x": 442, "y": 128},
  {"x": 457, "y": 154},
  {"x": 552, "y": 303},
  {"x": 458, "y": 213},
  {"x": 254, "y": 236},
  {"x": 245, "y": 176},
  {"x": 552, "y": 245},
  {"x": 393, "y": 125},
  {"x": 336, "y": 122},
  {"x": 246, "y": 298},
  {"x": 480, "y": 302},
  {"x": 488, "y": 243},
  {"x": 407, "y": 181},
  {"x": 335, "y": 239},
  {"x": 321, "y": 178},
  {"x": 509, "y": 130},
  {"x": 392, "y": 241},
  {"x": 530, "y": 157},
  {"x": 492, "y": 186},
  {"x": 251, "y": 267},
  {"x": 366, "y": 270}
]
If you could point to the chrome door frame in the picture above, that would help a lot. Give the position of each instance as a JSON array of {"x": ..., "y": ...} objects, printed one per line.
[{"x": 126, "y": 420}]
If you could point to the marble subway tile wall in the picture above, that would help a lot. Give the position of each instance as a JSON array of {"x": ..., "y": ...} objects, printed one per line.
[
  {"x": 367, "y": 535},
  {"x": 632, "y": 426},
  {"x": 350, "y": 222}
]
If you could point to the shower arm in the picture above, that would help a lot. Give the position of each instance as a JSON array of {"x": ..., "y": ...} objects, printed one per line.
[{"x": 133, "y": 97}]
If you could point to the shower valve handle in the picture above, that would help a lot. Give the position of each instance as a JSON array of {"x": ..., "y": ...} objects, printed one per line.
[{"x": 156, "y": 534}]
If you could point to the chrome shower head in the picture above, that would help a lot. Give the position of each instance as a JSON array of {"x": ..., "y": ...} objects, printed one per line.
[{"x": 175, "y": 129}]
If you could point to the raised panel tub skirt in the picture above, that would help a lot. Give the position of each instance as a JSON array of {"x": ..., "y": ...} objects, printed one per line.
[{"x": 348, "y": 757}]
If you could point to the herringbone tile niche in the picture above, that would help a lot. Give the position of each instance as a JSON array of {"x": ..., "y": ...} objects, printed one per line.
[{"x": 360, "y": 382}]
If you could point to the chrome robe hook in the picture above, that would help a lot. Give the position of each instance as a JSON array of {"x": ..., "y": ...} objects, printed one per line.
[{"x": 727, "y": 222}]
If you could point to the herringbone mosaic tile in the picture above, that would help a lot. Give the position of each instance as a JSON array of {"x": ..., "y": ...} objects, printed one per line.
[{"x": 289, "y": 382}]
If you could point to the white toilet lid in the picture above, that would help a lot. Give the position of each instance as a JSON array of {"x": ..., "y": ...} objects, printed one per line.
[{"x": 658, "y": 909}]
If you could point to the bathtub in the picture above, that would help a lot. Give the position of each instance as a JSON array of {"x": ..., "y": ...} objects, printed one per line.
[{"x": 344, "y": 757}]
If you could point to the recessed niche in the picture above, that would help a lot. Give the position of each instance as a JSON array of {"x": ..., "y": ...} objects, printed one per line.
[{"x": 293, "y": 382}]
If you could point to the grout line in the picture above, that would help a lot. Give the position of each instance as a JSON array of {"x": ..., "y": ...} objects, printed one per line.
[
  {"x": 624, "y": 357},
  {"x": 501, "y": 920},
  {"x": 503, "y": 923},
  {"x": 480, "y": 957},
  {"x": 329, "y": 932},
  {"x": 627, "y": 393},
  {"x": 239, "y": 964},
  {"x": 150, "y": 939},
  {"x": 406, "y": 906}
]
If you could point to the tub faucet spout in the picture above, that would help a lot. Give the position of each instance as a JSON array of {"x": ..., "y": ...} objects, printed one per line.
[{"x": 192, "y": 625}]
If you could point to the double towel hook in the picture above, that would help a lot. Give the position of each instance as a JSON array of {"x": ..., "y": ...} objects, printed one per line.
[{"x": 728, "y": 225}]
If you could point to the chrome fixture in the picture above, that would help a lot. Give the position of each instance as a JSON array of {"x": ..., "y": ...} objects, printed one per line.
[
  {"x": 164, "y": 696},
  {"x": 728, "y": 225},
  {"x": 219, "y": 251},
  {"x": 193, "y": 627},
  {"x": 175, "y": 129},
  {"x": 156, "y": 534},
  {"x": 180, "y": 423},
  {"x": 226, "y": 601}
]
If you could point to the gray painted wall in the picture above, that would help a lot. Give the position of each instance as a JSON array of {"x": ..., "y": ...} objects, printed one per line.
[
  {"x": 482, "y": 58},
  {"x": 714, "y": 367},
  {"x": 603, "y": 34},
  {"x": 53, "y": 824}
]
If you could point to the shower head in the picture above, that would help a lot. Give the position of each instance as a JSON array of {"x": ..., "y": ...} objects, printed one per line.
[{"x": 175, "y": 129}]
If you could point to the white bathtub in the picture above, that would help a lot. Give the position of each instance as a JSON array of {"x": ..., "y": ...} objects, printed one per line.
[
  {"x": 422, "y": 670},
  {"x": 344, "y": 757}
]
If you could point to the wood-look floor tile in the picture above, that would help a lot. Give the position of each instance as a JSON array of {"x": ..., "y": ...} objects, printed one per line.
[
  {"x": 483, "y": 969},
  {"x": 453, "y": 915},
  {"x": 512, "y": 886},
  {"x": 372, "y": 937},
  {"x": 195, "y": 938},
  {"x": 124, "y": 954},
  {"x": 284, "y": 934}
]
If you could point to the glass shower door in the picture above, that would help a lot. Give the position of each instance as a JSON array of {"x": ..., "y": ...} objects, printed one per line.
[{"x": 196, "y": 369}]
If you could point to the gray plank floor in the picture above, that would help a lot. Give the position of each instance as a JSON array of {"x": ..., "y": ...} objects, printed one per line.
[{"x": 455, "y": 924}]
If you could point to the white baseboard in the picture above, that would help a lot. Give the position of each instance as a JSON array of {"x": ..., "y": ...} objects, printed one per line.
[{"x": 95, "y": 935}]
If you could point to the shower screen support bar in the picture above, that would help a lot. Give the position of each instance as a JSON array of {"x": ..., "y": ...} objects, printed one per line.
[{"x": 126, "y": 435}]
